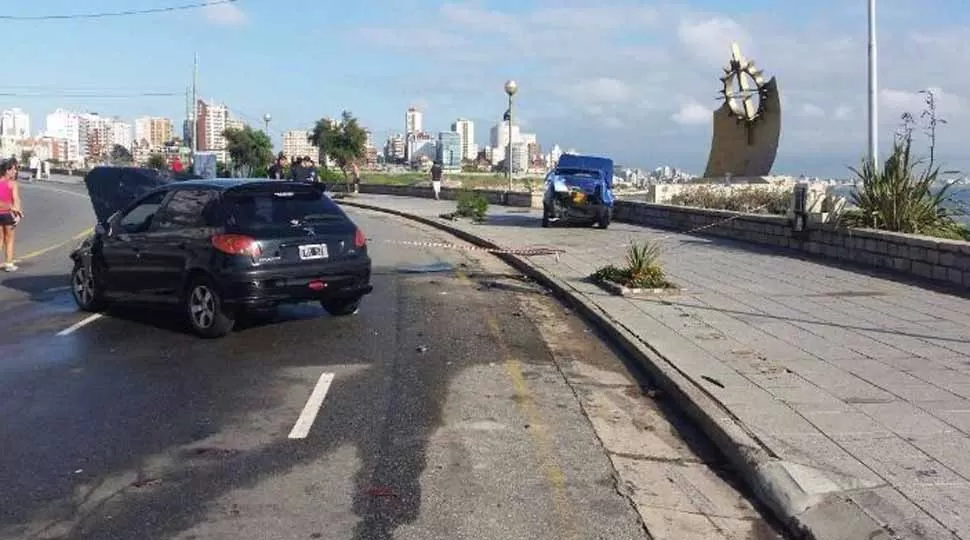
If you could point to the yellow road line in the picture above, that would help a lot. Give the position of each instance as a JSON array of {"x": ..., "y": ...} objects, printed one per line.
[
  {"x": 545, "y": 448},
  {"x": 39, "y": 252}
]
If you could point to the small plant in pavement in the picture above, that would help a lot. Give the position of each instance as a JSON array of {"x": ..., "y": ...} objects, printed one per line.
[
  {"x": 642, "y": 270},
  {"x": 472, "y": 205}
]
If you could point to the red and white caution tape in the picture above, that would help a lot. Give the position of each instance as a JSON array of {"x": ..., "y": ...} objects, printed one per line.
[{"x": 528, "y": 251}]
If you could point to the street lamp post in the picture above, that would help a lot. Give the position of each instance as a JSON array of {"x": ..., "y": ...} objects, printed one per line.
[
  {"x": 510, "y": 88},
  {"x": 873, "y": 89},
  {"x": 266, "y": 118}
]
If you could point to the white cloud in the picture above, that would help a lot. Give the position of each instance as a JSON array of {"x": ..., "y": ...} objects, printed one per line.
[
  {"x": 693, "y": 114},
  {"x": 601, "y": 90},
  {"x": 843, "y": 112},
  {"x": 914, "y": 102},
  {"x": 710, "y": 39},
  {"x": 613, "y": 122},
  {"x": 224, "y": 14},
  {"x": 810, "y": 110}
]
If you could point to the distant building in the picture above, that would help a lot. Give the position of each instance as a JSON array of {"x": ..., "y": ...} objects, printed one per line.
[
  {"x": 421, "y": 145},
  {"x": 466, "y": 132},
  {"x": 14, "y": 124},
  {"x": 413, "y": 121},
  {"x": 213, "y": 120},
  {"x": 449, "y": 150},
  {"x": 66, "y": 125},
  {"x": 121, "y": 134},
  {"x": 499, "y": 135},
  {"x": 296, "y": 143},
  {"x": 554, "y": 155},
  {"x": 423, "y": 148},
  {"x": 520, "y": 157},
  {"x": 156, "y": 131},
  {"x": 395, "y": 147}
]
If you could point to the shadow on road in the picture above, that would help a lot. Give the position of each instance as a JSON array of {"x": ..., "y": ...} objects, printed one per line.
[
  {"x": 137, "y": 395},
  {"x": 38, "y": 287}
]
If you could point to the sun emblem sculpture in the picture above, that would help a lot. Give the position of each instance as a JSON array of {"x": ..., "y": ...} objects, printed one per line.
[{"x": 747, "y": 127}]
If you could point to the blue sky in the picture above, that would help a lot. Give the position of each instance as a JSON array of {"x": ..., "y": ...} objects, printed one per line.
[{"x": 636, "y": 80}]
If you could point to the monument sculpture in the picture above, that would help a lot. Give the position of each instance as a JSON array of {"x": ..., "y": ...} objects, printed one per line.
[{"x": 747, "y": 126}]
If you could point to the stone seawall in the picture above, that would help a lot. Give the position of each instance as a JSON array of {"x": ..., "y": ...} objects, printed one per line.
[
  {"x": 944, "y": 261},
  {"x": 519, "y": 199}
]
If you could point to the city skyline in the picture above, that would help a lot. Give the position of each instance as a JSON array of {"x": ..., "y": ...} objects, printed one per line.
[{"x": 640, "y": 88}]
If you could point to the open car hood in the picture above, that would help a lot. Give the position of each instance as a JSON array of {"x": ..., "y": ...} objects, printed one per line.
[{"x": 113, "y": 190}]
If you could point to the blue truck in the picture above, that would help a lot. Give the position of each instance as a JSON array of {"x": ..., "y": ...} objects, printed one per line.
[{"x": 579, "y": 190}]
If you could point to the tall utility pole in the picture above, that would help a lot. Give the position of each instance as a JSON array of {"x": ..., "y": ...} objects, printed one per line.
[
  {"x": 873, "y": 89},
  {"x": 195, "y": 107}
]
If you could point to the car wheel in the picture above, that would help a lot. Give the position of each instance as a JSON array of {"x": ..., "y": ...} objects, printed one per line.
[
  {"x": 205, "y": 310},
  {"x": 341, "y": 307},
  {"x": 604, "y": 220},
  {"x": 85, "y": 289}
]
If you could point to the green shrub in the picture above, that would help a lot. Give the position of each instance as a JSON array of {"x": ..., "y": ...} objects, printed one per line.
[
  {"x": 473, "y": 205},
  {"x": 748, "y": 200},
  {"x": 898, "y": 198},
  {"x": 642, "y": 270},
  {"x": 330, "y": 177}
]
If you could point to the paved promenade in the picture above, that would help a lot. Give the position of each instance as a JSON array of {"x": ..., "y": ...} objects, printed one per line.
[{"x": 862, "y": 381}]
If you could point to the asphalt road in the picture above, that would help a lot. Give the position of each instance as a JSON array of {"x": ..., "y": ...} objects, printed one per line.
[{"x": 461, "y": 402}]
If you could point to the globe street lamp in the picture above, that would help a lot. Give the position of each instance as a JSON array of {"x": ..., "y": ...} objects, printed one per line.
[
  {"x": 510, "y": 88},
  {"x": 266, "y": 119}
]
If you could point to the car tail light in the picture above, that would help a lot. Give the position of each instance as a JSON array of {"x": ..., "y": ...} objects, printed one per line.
[
  {"x": 359, "y": 239},
  {"x": 237, "y": 244}
]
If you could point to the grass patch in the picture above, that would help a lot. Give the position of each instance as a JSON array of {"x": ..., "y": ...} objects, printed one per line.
[
  {"x": 468, "y": 181},
  {"x": 751, "y": 200},
  {"x": 642, "y": 270}
]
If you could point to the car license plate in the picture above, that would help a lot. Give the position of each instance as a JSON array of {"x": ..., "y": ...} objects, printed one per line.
[{"x": 313, "y": 251}]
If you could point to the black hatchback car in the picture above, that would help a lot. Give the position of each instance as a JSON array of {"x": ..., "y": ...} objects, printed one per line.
[{"x": 217, "y": 247}]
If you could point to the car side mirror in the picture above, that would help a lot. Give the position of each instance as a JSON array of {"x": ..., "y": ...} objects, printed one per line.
[{"x": 102, "y": 229}]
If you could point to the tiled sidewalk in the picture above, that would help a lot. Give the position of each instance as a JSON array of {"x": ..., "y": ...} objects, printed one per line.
[{"x": 864, "y": 378}]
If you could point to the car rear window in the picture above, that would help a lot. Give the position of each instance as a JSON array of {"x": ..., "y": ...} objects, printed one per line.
[{"x": 287, "y": 207}]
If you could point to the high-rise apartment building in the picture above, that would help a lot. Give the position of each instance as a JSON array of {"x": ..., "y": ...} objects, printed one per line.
[
  {"x": 121, "y": 134},
  {"x": 413, "y": 121},
  {"x": 449, "y": 150},
  {"x": 14, "y": 123},
  {"x": 153, "y": 130},
  {"x": 500, "y": 135},
  {"x": 213, "y": 120},
  {"x": 466, "y": 132},
  {"x": 98, "y": 135},
  {"x": 66, "y": 125},
  {"x": 296, "y": 143},
  {"x": 520, "y": 157}
]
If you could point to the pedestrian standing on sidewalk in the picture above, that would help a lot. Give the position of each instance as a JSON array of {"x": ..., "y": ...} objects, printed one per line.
[
  {"x": 356, "y": 178},
  {"x": 34, "y": 167},
  {"x": 10, "y": 211},
  {"x": 436, "y": 180}
]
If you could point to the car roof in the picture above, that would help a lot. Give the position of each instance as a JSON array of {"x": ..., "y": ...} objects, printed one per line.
[{"x": 224, "y": 184}]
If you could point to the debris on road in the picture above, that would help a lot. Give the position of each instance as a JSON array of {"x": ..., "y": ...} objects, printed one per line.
[{"x": 422, "y": 348}]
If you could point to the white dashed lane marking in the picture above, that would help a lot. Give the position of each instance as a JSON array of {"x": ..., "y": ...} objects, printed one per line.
[
  {"x": 303, "y": 424},
  {"x": 81, "y": 324}
]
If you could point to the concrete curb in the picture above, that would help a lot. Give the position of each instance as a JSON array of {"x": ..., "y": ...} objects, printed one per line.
[{"x": 809, "y": 502}]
